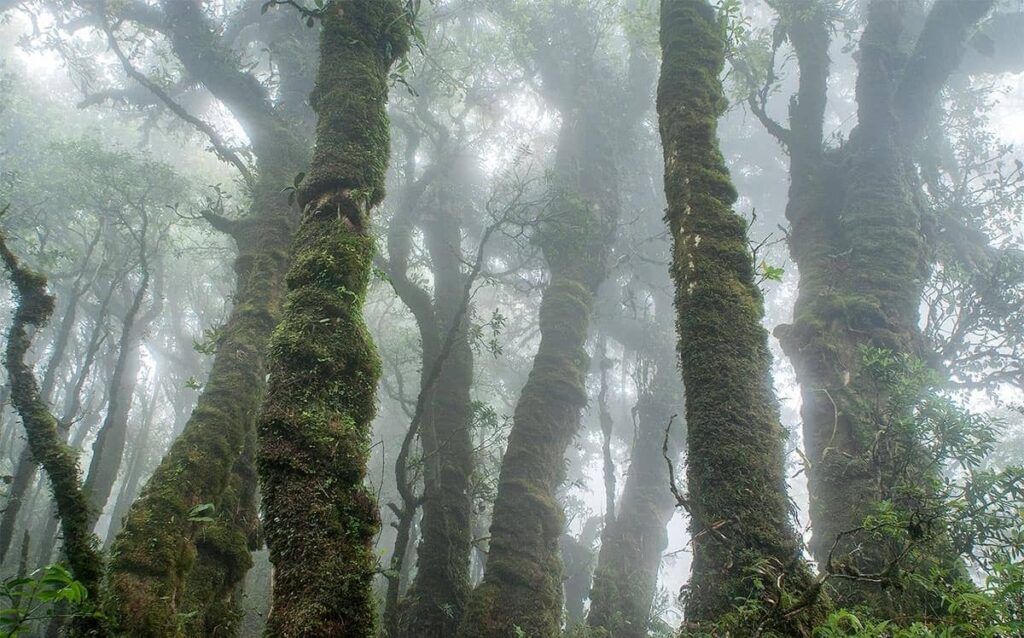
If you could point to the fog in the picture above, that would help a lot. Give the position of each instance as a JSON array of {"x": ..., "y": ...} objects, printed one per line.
[{"x": 407, "y": 333}]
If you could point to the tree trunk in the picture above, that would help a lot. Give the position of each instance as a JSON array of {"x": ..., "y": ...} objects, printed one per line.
[
  {"x": 740, "y": 515},
  {"x": 522, "y": 587},
  {"x": 25, "y": 469},
  {"x": 135, "y": 467},
  {"x": 148, "y": 578},
  {"x": 315, "y": 422},
  {"x": 626, "y": 577},
  {"x": 437, "y": 598},
  {"x": 108, "y": 448},
  {"x": 58, "y": 461},
  {"x": 859, "y": 240}
]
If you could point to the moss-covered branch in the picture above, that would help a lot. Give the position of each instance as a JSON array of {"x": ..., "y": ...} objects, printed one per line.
[{"x": 44, "y": 440}]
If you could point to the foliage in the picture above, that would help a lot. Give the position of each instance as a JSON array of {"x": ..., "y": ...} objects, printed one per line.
[{"x": 28, "y": 600}]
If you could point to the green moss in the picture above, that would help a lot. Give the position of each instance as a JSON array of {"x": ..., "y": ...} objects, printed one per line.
[
  {"x": 46, "y": 445},
  {"x": 523, "y": 584},
  {"x": 740, "y": 521},
  {"x": 863, "y": 256},
  {"x": 315, "y": 422},
  {"x": 153, "y": 557}
]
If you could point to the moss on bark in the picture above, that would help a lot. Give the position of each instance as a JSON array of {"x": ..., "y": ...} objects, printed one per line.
[
  {"x": 861, "y": 243},
  {"x": 58, "y": 461},
  {"x": 522, "y": 586},
  {"x": 436, "y": 600},
  {"x": 740, "y": 515},
  {"x": 315, "y": 423},
  {"x": 158, "y": 547}
]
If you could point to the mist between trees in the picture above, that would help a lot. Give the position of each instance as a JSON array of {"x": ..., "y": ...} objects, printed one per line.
[{"x": 512, "y": 318}]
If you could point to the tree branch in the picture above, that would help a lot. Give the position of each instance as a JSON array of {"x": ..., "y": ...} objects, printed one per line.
[
  {"x": 219, "y": 146},
  {"x": 938, "y": 52}
]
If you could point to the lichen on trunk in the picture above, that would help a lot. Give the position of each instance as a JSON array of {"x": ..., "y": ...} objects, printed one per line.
[
  {"x": 158, "y": 547},
  {"x": 58, "y": 461}
]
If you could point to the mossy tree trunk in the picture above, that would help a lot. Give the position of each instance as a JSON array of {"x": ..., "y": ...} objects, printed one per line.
[
  {"x": 170, "y": 575},
  {"x": 71, "y": 410},
  {"x": 315, "y": 423},
  {"x": 436, "y": 600},
  {"x": 158, "y": 547},
  {"x": 860, "y": 240},
  {"x": 522, "y": 586},
  {"x": 740, "y": 514},
  {"x": 25, "y": 469},
  {"x": 48, "y": 449}
]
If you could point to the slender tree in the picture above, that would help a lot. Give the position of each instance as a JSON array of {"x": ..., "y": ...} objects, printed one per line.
[
  {"x": 57, "y": 460},
  {"x": 632, "y": 542}
]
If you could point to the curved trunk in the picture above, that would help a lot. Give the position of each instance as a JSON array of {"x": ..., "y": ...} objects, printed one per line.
[
  {"x": 315, "y": 423},
  {"x": 522, "y": 585},
  {"x": 148, "y": 579},
  {"x": 25, "y": 469},
  {"x": 740, "y": 515},
  {"x": 58, "y": 461}
]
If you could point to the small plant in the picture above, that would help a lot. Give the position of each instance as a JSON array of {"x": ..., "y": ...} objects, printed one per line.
[
  {"x": 30, "y": 599},
  {"x": 202, "y": 513}
]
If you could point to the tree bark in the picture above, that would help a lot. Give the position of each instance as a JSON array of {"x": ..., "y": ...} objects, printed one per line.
[
  {"x": 436, "y": 600},
  {"x": 860, "y": 240},
  {"x": 522, "y": 586},
  {"x": 58, "y": 461},
  {"x": 632, "y": 543},
  {"x": 741, "y": 523},
  {"x": 153, "y": 578},
  {"x": 315, "y": 422}
]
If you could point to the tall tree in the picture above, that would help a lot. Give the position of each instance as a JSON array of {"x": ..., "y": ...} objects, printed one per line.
[
  {"x": 152, "y": 583},
  {"x": 437, "y": 598},
  {"x": 522, "y": 587},
  {"x": 314, "y": 426},
  {"x": 741, "y": 521},
  {"x": 861, "y": 239}
]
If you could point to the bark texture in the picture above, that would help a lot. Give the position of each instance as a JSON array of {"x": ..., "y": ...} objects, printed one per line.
[
  {"x": 740, "y": 515},
  {"x": 632, "y": 543},
  {"x": 437, "y": 598},
  {"x": 48, "y": 448},
  {"x": 314, "y": 426},
  {"x": 860, "y": 237},
  {"x": 171, "y": 575},
  {"x": 522, "y": 586}
]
